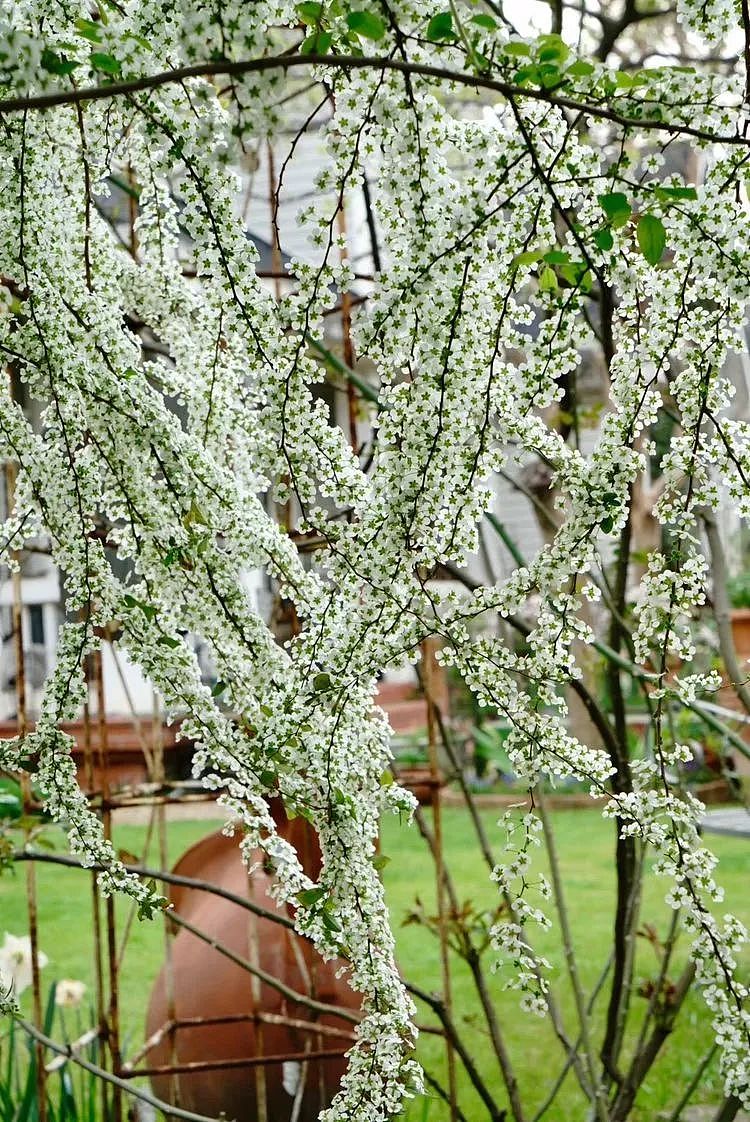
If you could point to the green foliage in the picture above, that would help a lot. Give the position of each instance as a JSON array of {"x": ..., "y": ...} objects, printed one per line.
[
  {"x": 547, "y": 280},
  {"x": 106, "y": 63},
  {"x": 89, "y": 30},
  {"x": 57, "y": 63},
  {"x": 73, "y": 1095},
  {"x": 366, "y": 24},
  {"x": 11, "y": 799},
  {"x": 652, "y": 238},
  {"x": 489, "y": 750},
  {"x": 481, "y": 19},
  {"x": 603, "y": 239},
  {"x": 675, "y": 194},
  {"x": 584, "y": 842},
  {"x": 738, "y": 588},
  {"x": 148, "y": 610},
  {"x": 310, "y": 12},
  {"x": 440, "y": 27},
  {"x": 616, "y": 207},
  {"x": 548, "y": 64},
  {"x": 308, "y": 897},
  {"x": 410, "y": 749}
]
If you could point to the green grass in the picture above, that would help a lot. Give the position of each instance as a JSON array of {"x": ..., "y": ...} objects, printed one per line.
[{"x": 585, "y": 844}]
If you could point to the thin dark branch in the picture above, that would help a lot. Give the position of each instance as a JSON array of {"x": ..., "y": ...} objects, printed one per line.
[
  {"x": 365, "y": 62},
  {"x": 161, "y": 875}
]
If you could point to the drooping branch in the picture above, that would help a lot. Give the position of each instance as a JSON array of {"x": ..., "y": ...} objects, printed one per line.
[{"x": 11, "y": 105}]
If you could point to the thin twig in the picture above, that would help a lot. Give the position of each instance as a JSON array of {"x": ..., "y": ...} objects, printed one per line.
[
  {"x": 597, "y": 1091},
  {"x": 364, "y": 62}
]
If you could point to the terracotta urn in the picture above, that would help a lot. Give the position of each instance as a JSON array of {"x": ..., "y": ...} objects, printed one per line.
[
  {"x": 741, "y": 632},
  {"x": 421, "y": 782},
  {"x": 225, "y": 1020}
]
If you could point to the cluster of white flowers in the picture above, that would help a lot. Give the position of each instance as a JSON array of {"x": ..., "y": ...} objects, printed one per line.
[
  {"x": 715, "y": 19},
  {"x": 510, "y": 935},
  {"x": 493, "y": 229}
]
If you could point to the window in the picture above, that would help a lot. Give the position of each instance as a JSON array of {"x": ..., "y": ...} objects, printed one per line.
[{"x": 36, "y": 624}]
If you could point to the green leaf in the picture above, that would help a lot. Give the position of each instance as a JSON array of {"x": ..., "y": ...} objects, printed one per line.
[
  {"x": 379, "y": 861},
  {"x": 89, "y": 30},
  {"x": 155, "y": 903},
  {"x": 616, "y": 207},
  {"x": 517, "y": 47},
  {"x": 557, "y": 257},
  {"x": 603, "y": 239},
  {"x": 572, "y": 271},
  {"x": 366, "y": 24},
  {"x": 386, "y": 779},
  {"x": 441, "y": 27},
  {"x": 57, "y": 64},
  {"x": 547, "y": 280},
  {"x": 585, "y": 281},
  {"x": 309, "y": 12},
  {"x": 668, "y": 194},
  {"x": 482, "y": 20},
  {"x": 218, "y": 689},
  {"x": 526, "y": 74},
  {"x": 552, "y": 49},
  {"x": 169, "y": 641},
  {"x": 106, "y": 63},
  {"x": 321, "y": 682},
  {"x": 10, "y": 805},
  {"x": 652, "y": 238},
  {"x": 194, "y": 515},
  {"x": 330, "y": 922},
  {"x": 580, "y": 68},
  {"x": 309, "y": 45},
  {"x": 549, "y": 75},
  {"x": 309, "y": 897},
  {"x": 528, "y": 257}
]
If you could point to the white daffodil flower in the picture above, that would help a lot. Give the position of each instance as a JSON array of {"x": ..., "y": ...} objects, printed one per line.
[{"x": 16, "y": 963}]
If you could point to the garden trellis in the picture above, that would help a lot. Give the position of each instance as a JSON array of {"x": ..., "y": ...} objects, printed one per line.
[{"x": 513, "y": 185}]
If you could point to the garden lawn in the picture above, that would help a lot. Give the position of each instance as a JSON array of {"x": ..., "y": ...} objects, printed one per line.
[{"x": 585, "y": 843}]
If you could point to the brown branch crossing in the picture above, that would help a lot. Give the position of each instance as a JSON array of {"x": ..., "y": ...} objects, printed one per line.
[{"x": 240, "y": 67}]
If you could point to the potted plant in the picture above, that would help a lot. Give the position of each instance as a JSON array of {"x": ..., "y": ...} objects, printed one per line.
[
  {"x": 709, "y": 773},
  {"x": 738, "y": 588}
]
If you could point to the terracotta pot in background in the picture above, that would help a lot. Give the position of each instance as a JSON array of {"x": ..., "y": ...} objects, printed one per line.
[
  {"x": 741, "y": 632},
  {"x": 715, "y": 792},
  {"x": 420, "y": 781},
  {"x": 740, "y": 618},
  {"x": 206, "y": 984}
]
